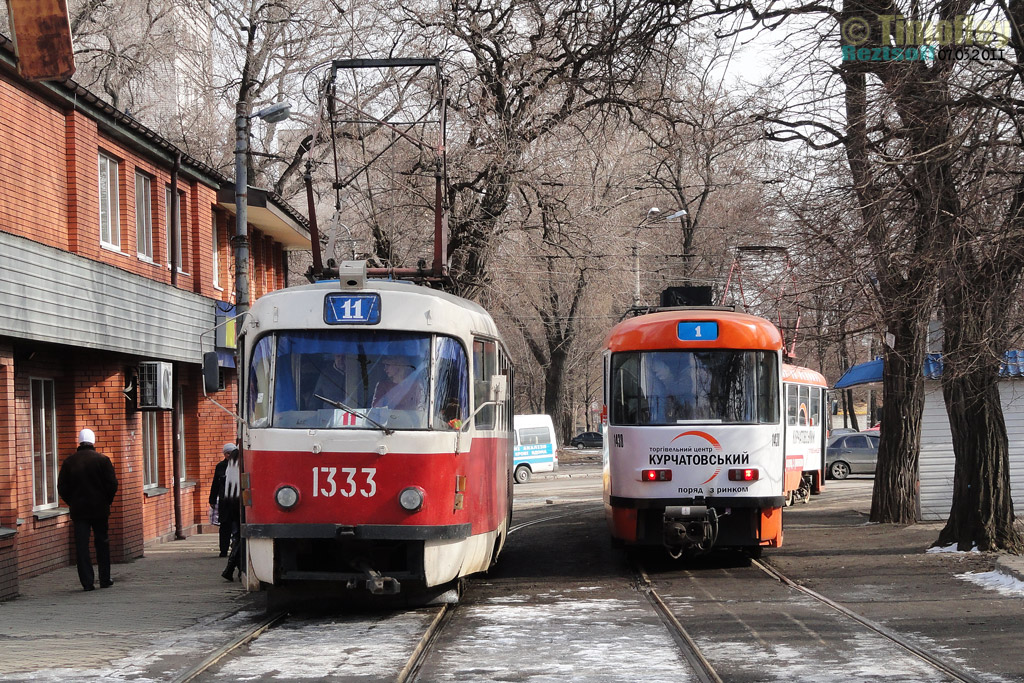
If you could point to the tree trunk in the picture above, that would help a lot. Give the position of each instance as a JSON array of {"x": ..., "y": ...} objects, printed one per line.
[
  {"x": 982, "y": 511},
  {"x": 894, "y": 498},
  {"x": 981, "y": 514}
]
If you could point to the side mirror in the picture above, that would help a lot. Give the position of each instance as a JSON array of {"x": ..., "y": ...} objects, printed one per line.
[
  {"x": 211, "y": 372},
  {"x": 499, "y": 388}
]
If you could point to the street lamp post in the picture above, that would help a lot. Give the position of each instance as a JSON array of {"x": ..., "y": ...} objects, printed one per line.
[
  {"x": 272, "y": 114},
  {"x": 651, "y": 213}
]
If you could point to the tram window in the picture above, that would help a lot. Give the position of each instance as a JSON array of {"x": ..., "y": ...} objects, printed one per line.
[
  {"x": 451, "y": 388},
  {"x": 365, "y": 376},
  {"x": 792, "y": 404},
  {"x": 805, "y": 401},
  {"x": 678, "y": 387},
  {"x": 767, "y": 388},
  {"x": 814, "y": 413},
  {"x": 625, "y": 390},
  {"x": 259, "y": 393},
  {"x": 485, "y": 365}
]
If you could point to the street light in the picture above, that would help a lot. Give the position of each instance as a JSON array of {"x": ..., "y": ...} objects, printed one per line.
[
  {"x": 275, "y": 113},
  {"x": 651, "y": 213}
]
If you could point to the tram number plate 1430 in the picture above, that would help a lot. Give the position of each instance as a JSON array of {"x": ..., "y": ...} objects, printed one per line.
[
  {"x": 345, "y": 309},
  {"x": 344, "y": 481}
]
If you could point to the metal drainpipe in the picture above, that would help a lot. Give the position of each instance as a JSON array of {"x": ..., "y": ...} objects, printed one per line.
[
  {"x": 174, "y": 229},
  {"x": 176, "y": 437}
]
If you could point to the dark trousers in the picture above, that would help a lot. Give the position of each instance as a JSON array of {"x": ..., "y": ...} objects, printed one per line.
[
  {"x": 98, "y": 528},
  {"x": 230, "y": 519},
  {"x": 225, "y": 530}
]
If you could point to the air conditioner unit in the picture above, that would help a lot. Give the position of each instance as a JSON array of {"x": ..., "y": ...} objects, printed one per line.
[{"x": 155, "y": 385}]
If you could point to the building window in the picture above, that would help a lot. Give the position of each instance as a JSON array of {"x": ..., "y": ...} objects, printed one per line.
[
  {"x": 216, "y": 254},
  {"x": 110, "y": 226},
  {"x": 181, "y": 230},
  {"x": 144, "y": 216},
  {"x": 150, "y": 449},
  {"x": 44, "y": 445}
]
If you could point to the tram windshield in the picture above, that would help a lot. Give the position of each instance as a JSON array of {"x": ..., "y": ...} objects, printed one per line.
[
  {"x": 681, "y": 387},
  {"x": 357, "y": 379}
]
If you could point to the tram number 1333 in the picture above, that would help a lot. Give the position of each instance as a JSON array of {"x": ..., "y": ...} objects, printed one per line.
[{"x": 352, "y": 480}]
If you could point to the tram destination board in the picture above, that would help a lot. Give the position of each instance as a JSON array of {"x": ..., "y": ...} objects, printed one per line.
[
  {"x": 347, "y": 309},
  {"x": 703, "y": 330}
]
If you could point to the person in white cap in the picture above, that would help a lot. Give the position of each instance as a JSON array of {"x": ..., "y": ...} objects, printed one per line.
[
  {"x": 87, "y": 483},
  {"x": 217, "y": 498}
]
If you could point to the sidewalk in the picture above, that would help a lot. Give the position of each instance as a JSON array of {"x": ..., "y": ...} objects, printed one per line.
[{"x": 167, "y": 601}]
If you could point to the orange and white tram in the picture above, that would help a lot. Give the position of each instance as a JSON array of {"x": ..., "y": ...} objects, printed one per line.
[
  {"x": 694, "y": 449},
  {"x": 376, "y": 438}
]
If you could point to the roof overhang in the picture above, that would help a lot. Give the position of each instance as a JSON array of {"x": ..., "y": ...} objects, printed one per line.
[
  {"x": 862, "y": 373},
  {"x": 272, "y": 217}
]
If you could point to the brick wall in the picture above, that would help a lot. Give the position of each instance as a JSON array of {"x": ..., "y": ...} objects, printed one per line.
[
  {"x": 49, "y": 192},
  {"x": 32, "y": 164}
]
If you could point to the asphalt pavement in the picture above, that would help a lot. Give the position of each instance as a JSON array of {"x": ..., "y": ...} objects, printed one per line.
[{"x": 168, "y": 609}]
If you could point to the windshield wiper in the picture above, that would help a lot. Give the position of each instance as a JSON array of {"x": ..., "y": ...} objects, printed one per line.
[{"x": 341, "y": 406}]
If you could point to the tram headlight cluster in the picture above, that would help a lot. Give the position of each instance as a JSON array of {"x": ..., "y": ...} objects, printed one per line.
[
  {"x": 286, "y": 497},
  {"x": 411, "y": 498}
]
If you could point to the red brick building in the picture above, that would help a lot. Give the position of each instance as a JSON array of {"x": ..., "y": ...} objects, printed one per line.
[{"x": 90, "y": 305}]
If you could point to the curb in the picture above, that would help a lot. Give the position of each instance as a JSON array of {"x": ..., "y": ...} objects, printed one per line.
[{"x": 1011, "y": 565}]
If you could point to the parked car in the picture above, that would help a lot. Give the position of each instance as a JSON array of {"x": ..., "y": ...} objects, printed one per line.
[
  {"x": 842, "y": 430},
  {"x": 587, "y": 440},
  {"x": 848, "y": 454}
]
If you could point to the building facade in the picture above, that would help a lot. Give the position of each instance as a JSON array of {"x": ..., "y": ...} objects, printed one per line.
[{"x": 109, "y": 294}]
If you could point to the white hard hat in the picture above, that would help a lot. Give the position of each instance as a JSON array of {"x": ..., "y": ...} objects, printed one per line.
[{"x": 86, "y": 436}]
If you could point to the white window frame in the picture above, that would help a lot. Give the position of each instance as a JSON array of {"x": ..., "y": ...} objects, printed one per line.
[
  {"x": 216, "y": 255},
  {"x": 150, "y": 449},
  {"x": 144, "y": 216},
  {"x": 110, "y": 212},
  {"x": 181, "y": 227},
  {"x": 44, "y": 442}
]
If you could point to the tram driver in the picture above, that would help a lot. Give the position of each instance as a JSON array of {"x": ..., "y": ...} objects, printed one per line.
[{"x": 404, "y": 389}]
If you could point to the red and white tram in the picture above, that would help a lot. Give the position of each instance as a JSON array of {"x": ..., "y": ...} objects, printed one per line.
[
  {"x": 375, "y": 435},
  {"x": 694, "y": 446}
]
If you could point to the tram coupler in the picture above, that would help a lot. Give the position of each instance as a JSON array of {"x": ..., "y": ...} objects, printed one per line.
[
  {"x": 378, "y": 584},
  {"x": 687, "y": 525}
]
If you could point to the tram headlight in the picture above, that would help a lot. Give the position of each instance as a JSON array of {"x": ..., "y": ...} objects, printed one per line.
[
  {"x": 286, "y": 497},
  {"x": 411, "y": 498}
]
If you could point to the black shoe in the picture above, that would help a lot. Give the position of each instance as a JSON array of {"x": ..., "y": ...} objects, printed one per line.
[
  {"x": 88, "y": 588},
  {"x": 106, "y": 584},
  {"x": 224, "y": 554},
  {"x": 229, "y": 575}
]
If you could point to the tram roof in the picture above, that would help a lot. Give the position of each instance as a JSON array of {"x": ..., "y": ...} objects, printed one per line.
[
  {"x": 660, "y": 330},
  {"x": 796, "y": 373},
  {"x": 306, "y": 304}
]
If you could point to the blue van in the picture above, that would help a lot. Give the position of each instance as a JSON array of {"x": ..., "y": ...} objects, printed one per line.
[{"x": 536, "y": 449}]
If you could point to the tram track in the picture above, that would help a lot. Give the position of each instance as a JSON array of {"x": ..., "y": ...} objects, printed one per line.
[
  {"x": 702, "y": 667},
  {"x": 705, "y": 670},
  {"x": 950, "y": 670},
  {"x": 217, "y": 655}
]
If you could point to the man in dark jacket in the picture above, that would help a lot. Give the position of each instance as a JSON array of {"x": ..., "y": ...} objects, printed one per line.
[
  {"x": 87, "y": 483},
  {"x": 217, "y": 496}
]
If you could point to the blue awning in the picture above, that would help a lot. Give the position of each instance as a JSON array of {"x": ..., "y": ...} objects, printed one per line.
[
  {"x": 862, "y": 373},
  {"x": 870, "y": 372}
]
